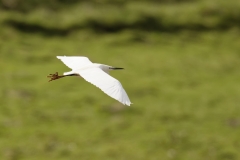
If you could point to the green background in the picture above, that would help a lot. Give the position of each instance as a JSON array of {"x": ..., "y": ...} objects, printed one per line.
[{"x": 181, "y": 60}]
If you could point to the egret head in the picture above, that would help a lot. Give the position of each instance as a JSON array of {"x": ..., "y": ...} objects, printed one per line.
[{"x": 107, "y": 68}]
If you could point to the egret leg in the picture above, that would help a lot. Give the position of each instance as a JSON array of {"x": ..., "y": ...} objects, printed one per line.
[{"x": 56, "y": 76}]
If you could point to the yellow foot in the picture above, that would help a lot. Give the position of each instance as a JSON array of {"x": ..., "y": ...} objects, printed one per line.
[{"x": 54, "y": 76}]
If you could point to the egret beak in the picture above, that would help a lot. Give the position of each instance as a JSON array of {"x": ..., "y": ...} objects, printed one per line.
[{"x": 116, "y": 68}]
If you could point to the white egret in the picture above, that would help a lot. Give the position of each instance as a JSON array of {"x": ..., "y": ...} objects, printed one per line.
[{"x": 95, "y": 73}]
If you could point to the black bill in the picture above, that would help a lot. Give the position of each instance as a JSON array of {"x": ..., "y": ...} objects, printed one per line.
[{"x": 116, "y": 68}]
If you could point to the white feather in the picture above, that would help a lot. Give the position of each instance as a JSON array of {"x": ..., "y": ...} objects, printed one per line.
[
  {"x": 106, "y": 83},
  {"x": 97, "y": 75},
  {"x": 75, "y": 62}
]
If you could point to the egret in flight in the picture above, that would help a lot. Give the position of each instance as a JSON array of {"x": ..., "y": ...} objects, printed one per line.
[{"x": 95, "y": 73}]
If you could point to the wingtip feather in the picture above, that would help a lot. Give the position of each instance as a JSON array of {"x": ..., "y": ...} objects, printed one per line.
[
  {"x": 60, "y": 57},
  {"x": 128, "y": 103}
]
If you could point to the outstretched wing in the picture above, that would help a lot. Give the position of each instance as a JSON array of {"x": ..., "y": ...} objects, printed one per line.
[
  {"x": 75, "y": 62},
  {"x": 106, "y": 83}
]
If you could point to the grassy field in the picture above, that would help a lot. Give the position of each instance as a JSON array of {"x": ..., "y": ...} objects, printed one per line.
[{"x": 184, "y": 85}]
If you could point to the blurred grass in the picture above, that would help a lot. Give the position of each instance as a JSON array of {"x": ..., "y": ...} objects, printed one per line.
[
  {"x": 184, "y": 85},
  {"x": 136, "y": 15}
]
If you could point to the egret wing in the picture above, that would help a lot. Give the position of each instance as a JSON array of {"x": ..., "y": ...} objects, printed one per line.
[
  {"x": 106, "y": 83},
  {"x": 75, "y": 62}
]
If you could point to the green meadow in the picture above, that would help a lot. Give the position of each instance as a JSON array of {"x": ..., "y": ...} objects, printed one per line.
[{"x": 182, "y": 74}]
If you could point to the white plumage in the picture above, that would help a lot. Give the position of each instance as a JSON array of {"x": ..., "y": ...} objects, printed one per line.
[{"x": 97, "y": 74}]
